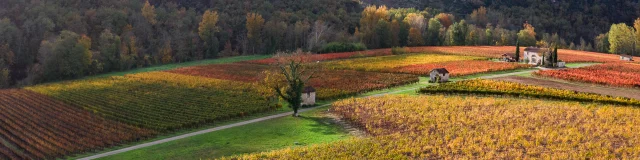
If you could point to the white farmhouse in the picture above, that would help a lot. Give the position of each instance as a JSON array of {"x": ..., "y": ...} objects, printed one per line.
[
  {"x": 625, "y": 57},
  {"x": 532, "y": 55},
  {"x": 309, "y": 96},
  {"x": 439, "y": 75}
]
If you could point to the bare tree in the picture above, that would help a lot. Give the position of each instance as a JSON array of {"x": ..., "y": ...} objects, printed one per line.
[
  {"x": 318, "y": 34},
  {"x": 289, "y": 75}
]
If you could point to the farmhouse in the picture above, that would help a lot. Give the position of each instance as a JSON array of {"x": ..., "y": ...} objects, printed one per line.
[
  {"x": 439, "y": 75},
  {"x": 508, "y": 57},
  {"x": 532, "y": 55},
  {"x": 309, "y": 96},
  {"x": 625, "y": 57}
]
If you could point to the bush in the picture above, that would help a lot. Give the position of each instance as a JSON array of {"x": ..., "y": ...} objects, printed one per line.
[
  {"x": 399, "y": 50},
  {"x": 334, "y": 47}
]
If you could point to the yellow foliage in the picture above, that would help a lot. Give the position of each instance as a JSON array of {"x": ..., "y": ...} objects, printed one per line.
[
  {"x": 166, "y": 52},
  {"x": 388, "y": 62},
  {"x": 440, "y": 127},
  {"x": 490, "y": 87},
  {"x": 149, "y": 13},
  {"x": 255, "y": 22},
  {"x": 208, "y": 24}
]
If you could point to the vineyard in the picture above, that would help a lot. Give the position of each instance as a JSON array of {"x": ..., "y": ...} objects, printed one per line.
[
  {"x": 33, "y": 126},
  {"x": 330, "y": 84},
  {"x": 233, "y": 71},
  {"x": 460, "y": 68},
  {"x": 333, "y": 56},
  {"x": 615, "y": 74},
  {"x": 489, "y": 87},
  {"x": 388, "y": 62},
  {"x": 427, "y": 127},
  {"x": 159, "y": 100},
  {"x": 71, "y": 117},
  {"x": 570, "y": 56}
]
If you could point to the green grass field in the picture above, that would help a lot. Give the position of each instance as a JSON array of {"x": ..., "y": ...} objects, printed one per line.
[{"x": 312, "y": 128}]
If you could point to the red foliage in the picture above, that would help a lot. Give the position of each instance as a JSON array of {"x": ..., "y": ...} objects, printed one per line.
[
  {"x": 233, "y": 71},
  {"x": 47, "y": 129},
  {"x": 330, "y": 83},
  {"x": 332, "y": 56},
  {"x": 616, "y": 74}
]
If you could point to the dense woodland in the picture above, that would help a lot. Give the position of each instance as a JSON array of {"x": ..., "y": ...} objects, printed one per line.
[
  {"x": 52, "y": 40},
  {"x": 571, "y": 19}
]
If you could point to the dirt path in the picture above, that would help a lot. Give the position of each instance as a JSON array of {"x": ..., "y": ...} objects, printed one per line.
[{"x": 598, "y": 89}]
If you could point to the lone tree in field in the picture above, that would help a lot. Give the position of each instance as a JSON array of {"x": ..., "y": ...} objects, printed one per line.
[
  {"x": 517, "y": 51},
  {"x": 288, "y": 77}
]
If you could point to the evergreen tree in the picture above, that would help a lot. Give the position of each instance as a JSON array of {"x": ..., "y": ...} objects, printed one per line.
[
  {"x": 517, "y": 51},
  {"x": 555, "y": 55}
]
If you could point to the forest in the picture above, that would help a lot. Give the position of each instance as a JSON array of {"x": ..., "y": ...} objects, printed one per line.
[{"x": 42, "y": 41}]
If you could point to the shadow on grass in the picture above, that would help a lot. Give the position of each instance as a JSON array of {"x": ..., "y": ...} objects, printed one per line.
[{"x": 323, "y": 125}]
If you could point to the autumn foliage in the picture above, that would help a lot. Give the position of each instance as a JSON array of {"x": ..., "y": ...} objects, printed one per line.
[
  {"x": 499, "y": 88},
  {"x": 332, "y": 56},
  {"x": 161, "y": 101},
  {"x": 38, "y": 127},
  {"x": 383, "y": 63},
  {"x": 440, "y": 127},
  {"x": 615, "y": 74},
  {"x": 330, "y": 84},
  {"x": 460, "y": 68}
]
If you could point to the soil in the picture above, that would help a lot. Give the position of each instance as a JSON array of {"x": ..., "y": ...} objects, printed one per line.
[
  {"x": 352, "y": 130},
  {"x": 589, "y": 88}
]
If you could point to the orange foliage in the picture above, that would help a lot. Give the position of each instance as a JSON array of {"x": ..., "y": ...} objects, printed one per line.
[
  {"x": 461, "y": 68},
  {"x": 332, "y": 56},
  {"x": 330, "y": 83},
  {"x": 616, "y": 74}
]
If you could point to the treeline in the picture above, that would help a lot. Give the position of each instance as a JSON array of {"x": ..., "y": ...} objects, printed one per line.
[
  {"x": 621, "y": 39},
  {"x": 381, "y": 27},
  {"x": 573, "y": 20},
  {"x": 44, "y": 41},
  {"x": 63, "y": 39}
]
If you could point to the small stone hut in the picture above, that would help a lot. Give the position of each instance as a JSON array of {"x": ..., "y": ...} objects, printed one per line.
[
  {"x": 625, "y": 57},
  {"x": 309, "y": 96},
  {"x": 439, "y": 75}
]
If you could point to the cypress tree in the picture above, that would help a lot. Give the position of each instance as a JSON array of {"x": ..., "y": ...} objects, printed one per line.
[
  {"x": 555, "y": 55},
  {"x": 517, "y": 51}
]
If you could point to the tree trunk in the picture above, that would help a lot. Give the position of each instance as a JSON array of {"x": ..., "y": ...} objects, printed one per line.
[{"x": 295, "y": 112}]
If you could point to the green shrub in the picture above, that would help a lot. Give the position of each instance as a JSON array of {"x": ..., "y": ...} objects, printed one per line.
[
  {"x": 399, "y": 50},
  {"x": 342, "y": 47}
]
